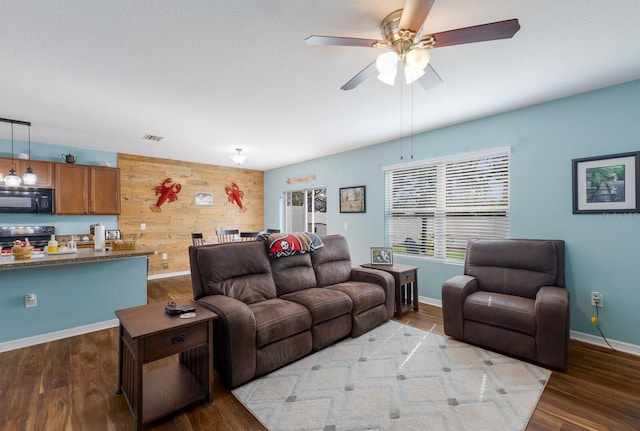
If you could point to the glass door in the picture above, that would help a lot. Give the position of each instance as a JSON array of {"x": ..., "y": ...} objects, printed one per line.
[{"x": 306, "y": 211}]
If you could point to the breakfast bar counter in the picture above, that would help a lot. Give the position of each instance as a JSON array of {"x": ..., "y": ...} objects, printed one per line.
[
  {"x": 81, "y": 256},
  {"x": 70, "y": 293}
]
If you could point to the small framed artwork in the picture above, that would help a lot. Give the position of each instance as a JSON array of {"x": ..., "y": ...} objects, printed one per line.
[
  {"x": 381, "y": 256},
  {"x": 606, "y": 184},
  {"x": 204, "y": 198},
  {"x": 352, "y": 199}
]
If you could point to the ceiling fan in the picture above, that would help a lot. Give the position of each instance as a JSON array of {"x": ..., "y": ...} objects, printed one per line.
[{"x": 401, "y": 32}]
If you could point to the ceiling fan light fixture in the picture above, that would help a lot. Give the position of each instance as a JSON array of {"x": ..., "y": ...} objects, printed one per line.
[
  {"x": 414, "y": 64},
  {"x": 387, "y": 65},
  {"x": 417, "y": 58},
  {"x": 388, "y": 78},
  {"x": 238, "y": 158},
  {"x": 412, "y": 74}
]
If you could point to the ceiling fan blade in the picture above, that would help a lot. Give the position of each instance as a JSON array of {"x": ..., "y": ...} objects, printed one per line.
[
  {"x": 414, "y": 13},
  {"x": 477, "y": 33},
  {"x": 430, "y": 78},
  {"x": 342, "y": 41},
  {"x": 364, "y": 74}
]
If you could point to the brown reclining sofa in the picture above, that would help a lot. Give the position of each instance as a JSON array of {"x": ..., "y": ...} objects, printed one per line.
[{"x": 273, "y": 311}]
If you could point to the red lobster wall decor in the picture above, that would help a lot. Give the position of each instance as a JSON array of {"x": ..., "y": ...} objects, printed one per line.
[
  {"x": 235, "y": 196},
  {"x": 168, "y": 191}
]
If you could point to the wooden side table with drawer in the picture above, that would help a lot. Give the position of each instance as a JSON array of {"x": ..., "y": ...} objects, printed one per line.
[
  {"x": 148, "y": 334},
  {"x": 406, "y": 278}
]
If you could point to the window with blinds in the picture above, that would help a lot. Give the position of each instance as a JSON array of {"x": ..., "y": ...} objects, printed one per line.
[{"x": 433, "y": 207}]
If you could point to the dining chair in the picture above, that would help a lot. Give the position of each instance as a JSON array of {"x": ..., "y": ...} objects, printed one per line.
[
  {"x": 226, "y": 235},
  {"x": 197, "y": 238},
  {"x": 249, "y": 236}
]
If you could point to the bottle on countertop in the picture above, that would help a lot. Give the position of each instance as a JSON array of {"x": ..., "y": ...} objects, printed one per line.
[{"x": 52, "y": 246}]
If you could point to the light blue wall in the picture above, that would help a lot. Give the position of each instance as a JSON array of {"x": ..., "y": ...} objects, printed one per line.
[
  {"x": 69, "y": 295},
  {"x": 602, "y": 251},
  {"x": 53, "y": 153}
]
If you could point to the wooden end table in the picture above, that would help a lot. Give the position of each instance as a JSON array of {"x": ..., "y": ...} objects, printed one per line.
[
  {"x": 406, "y": 278},
  {"x": 147, "y": 334}
]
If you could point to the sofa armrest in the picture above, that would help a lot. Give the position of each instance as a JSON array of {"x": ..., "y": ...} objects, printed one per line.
[
  {"x": 454, "y": 292},
  {"x": 234, "y": 338},
  {"x": 552, "y": 331},
  {"x": 382, "y": 278}
]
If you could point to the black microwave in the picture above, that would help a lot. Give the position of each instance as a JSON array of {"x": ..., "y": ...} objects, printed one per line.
[{"x": 18, "y": 200}]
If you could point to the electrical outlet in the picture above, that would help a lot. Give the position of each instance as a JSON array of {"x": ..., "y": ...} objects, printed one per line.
[
  {"x": 143, "y": 226},
  {"x": 164, "y": 256},
  {"x": 596, "y": 299},
  {"x": 30, "y": 300}
]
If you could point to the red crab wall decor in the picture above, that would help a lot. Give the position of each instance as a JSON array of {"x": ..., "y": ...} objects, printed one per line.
[
  {"x": 168, "y": 191},
  {"x": 235, "y": 196}
]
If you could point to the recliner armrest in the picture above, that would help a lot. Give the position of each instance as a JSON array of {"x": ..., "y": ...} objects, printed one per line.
[
  {"x": 454, "y": 292},
  {"x": 553, "y": 320},
  {"x": 234, "y": 338},
  {"x": 382, "y": 278}
]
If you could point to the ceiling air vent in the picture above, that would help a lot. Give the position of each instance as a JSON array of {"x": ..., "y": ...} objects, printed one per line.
[{"x": 152, "y": 137}]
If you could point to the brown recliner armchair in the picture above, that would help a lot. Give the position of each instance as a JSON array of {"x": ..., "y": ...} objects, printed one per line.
[{"x": 512, "y": 298}]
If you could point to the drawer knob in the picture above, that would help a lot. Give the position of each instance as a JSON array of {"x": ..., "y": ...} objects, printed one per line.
[{"x": 177, "y": 339}]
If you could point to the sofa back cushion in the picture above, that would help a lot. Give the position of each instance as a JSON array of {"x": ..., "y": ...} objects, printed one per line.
[
  {"x": 515, "y": 266},
  {"x": 293, "y": 273},
  {"x": 332, "y": 263},
  {"x": 239, "y": 270}
]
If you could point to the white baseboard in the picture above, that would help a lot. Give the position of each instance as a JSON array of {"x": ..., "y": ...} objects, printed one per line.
[
  {"x": 575, "y": 335},
  {"x": 168, "y": 274},
  {"x": 599, "y": 341},
  {"x": 57, "y": 335}
]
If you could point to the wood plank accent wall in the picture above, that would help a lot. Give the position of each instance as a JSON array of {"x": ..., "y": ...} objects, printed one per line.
[{"x": 169, "y": 231}]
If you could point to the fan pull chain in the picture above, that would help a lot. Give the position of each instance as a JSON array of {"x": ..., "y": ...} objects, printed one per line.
[
  {"x": 412, "y": 121},
  {"x": 401, "y": 149}
]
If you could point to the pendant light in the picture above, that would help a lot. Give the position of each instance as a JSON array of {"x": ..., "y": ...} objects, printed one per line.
[
  {"x": 29, "y": 176},
  {"x": 12, "y": 179}
]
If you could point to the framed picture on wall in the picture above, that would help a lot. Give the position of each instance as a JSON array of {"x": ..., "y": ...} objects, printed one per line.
[
  {"x": 381, "y": 256},
  {"x": 352, "y": 199},
  {"x": 606, "y": 184},
  {"x": 204, "y": 198}
]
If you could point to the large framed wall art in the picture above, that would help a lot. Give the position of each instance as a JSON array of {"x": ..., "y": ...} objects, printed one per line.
[{"x": 606, "y": 184}]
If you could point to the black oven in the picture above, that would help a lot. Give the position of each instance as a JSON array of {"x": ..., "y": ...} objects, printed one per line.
[{"x": 26, "y": 200}]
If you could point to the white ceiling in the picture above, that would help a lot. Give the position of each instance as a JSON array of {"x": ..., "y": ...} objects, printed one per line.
[{"x": 210, "y": 76}]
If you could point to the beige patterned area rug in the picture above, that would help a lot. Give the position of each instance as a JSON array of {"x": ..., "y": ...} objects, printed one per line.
[{"x": 396, "y": 377}]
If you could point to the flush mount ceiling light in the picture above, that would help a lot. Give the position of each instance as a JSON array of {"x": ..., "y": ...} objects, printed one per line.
[{"x": 238, "y": 158}]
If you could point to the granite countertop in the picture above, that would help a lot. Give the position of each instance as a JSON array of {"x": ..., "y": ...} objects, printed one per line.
[{"x": 81, "y": 256}]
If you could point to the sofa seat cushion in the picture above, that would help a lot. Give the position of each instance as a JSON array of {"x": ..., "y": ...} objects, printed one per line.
[
  {"x": 324, "y": 304},
  {"x": 277, "y": 319},
  {"x": 363, "y": 295},
  {"x": 504, "y": 311}
]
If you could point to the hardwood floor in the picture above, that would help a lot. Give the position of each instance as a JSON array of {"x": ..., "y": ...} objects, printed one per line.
[{"x": 71, "y": 384}]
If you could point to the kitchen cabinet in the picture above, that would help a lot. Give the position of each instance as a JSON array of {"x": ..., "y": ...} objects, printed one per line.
[
  {"x": 42, "y": 169},
  {"x": 81, "y": 189}
]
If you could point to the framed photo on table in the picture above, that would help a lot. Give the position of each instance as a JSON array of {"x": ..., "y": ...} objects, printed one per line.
[
  {"x": 606, "y": 184},
  {"x": 352, "y": 199},
  {"x": 381, "y": 256}
]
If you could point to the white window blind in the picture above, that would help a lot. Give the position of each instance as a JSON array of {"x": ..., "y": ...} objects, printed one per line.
[{"x": 433, "y": 207}]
